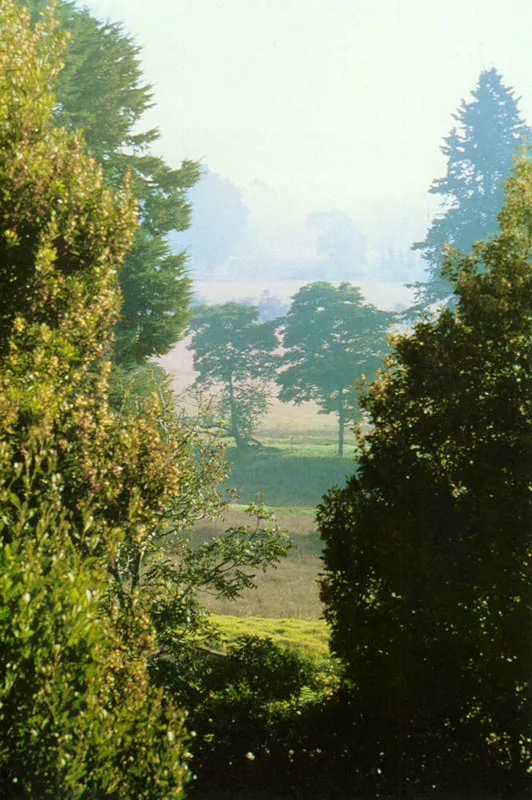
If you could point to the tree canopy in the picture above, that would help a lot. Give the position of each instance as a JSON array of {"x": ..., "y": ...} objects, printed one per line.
[
  {"x": 78, "y": 711},
  {"x": 331, "y": 338},
  {"x": 235, "y": 353},
  {"x": 101, "y": 90},
  {"x": 479, "y": 153},
  {"x": 427, "y": 581}
]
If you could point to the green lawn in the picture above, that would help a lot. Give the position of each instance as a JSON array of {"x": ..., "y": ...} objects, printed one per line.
[
  {"x": 286, "y": 476},
  {"x": 309, "y": 637}
]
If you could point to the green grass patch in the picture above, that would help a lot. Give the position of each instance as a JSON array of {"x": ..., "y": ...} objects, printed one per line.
[
  {"x": 308, "y": 637},
  {"x": 284, "y": 478}
]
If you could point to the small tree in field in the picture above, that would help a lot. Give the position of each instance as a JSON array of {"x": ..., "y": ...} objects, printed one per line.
[
  {"x": 236, "y": 353},
  {"x": 331, "y": 338},
  {"x": 428, "y": 579}
]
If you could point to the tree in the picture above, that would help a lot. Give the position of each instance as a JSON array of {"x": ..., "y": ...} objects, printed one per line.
[
  {"x": 479, "y": 153},
  {"x": 331, "y": 338},
  {"x": 89, "y": 607},
  {"x": 101, "y": 91},
  {"x": 78, "y": 713},
  {"x": 232, "y": 350},
  {"x": 339, "y": 239},
  {"x": 427, "y": 583},
  {"x": 218, "y": 225}
]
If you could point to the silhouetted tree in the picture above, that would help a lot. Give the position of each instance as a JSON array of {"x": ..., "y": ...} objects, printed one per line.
[{"x": 427, "y": 584}]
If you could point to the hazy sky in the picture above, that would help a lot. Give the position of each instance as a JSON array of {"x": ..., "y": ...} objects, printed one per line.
[{"x": 342, "y": 101}]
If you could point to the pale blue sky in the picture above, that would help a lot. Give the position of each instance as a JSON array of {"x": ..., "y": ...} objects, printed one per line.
[{"x": 336, "y": 103}]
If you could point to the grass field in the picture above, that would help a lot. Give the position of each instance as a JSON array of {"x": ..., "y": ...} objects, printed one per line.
[
  {"x": 308, "y": 638},
  {"x": 286, "y": 476},
  {"x": 295, "y": 464},
  {"x": 290, "y": 472},
  {"x": 288, "y": 591}
]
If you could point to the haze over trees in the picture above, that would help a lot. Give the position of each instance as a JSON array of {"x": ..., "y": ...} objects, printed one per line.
[
  {"x": 331, "y": 339},
  {"x": 479, "y": 152},
  {"x": 219, "y": 222},
  {"x": 427, "y": 581},
  {"x": 340, "y": 240}
]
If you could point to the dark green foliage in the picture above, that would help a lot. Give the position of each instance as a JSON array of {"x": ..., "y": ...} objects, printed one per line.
[
  {"x": 479, "y": 153},
  {"x": 262, "y": 667},
  {"x": 250, "y": 724},
  {"x": 427, "y": 549},
  {"x": 331, "y": 339},
  {"x": 101, "y": 91},
  {"x": 235, "y": 353}
]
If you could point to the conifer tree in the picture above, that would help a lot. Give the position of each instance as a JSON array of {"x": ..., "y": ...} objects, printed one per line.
[
  {"x": 101, "y": 91},
  {"x": 479, "y": 153}
]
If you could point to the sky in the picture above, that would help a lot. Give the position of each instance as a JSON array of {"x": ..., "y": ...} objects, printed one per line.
[{"x": 344, "y": 101}]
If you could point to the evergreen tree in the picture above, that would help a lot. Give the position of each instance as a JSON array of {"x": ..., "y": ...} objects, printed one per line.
[
  {"x": 428, "y": 584},
  {"x": 479, "y": 153},
  {"x": 101, "y": 90}
]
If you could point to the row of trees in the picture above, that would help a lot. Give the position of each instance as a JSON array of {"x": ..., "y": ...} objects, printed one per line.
[{"x": 329, "y": 340}]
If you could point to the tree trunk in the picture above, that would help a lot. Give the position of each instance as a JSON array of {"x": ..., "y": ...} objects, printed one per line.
[
  {"x": 341, "y": 422},
  {"x": 232, "y": 414}
]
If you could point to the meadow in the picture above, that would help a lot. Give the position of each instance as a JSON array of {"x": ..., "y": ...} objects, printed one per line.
[
  {"x": 290, "y": 469},
  {"x": 289, "y": 472}
]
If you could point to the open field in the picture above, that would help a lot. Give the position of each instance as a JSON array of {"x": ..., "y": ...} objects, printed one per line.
[
  {"x": 289, "y": 591},
  {"x": 308, "y": 637},
  {"x": 294, "y": 466},
  {"x": 285, "y": 476}
]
